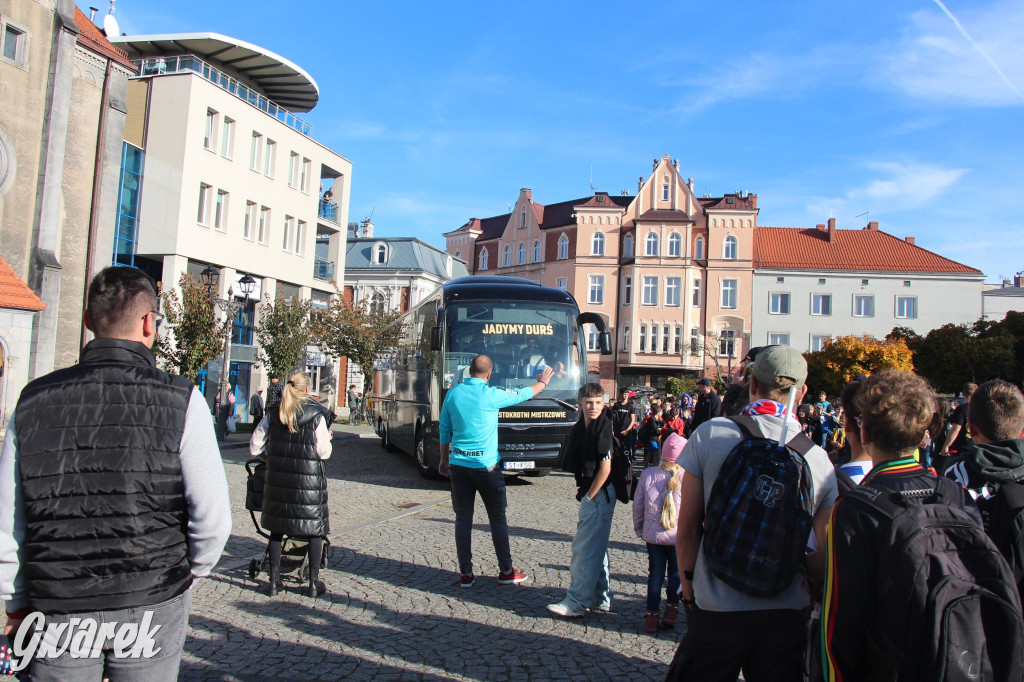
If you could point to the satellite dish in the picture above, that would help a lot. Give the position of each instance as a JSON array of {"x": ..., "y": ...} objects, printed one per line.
[{"x": 110, "y": 26}]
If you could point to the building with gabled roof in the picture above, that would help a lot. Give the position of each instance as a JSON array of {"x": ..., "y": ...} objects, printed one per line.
[
  {"x": 811, "y": 285},
  {"x": 18, "y": 308}
]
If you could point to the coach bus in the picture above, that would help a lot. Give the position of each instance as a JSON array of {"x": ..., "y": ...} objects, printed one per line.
[{"x": 522, "y": 327}]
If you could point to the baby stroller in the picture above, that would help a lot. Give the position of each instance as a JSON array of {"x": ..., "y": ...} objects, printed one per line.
[{"x": 294, "y": 556}]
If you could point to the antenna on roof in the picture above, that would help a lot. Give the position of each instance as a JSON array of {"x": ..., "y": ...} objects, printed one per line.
[
  {"x": 865, "y": 213},
  {"x": 592, "y": 188}
]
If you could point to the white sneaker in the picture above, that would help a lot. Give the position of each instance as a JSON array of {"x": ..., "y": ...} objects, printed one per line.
[{"x": 565, "y": 610}]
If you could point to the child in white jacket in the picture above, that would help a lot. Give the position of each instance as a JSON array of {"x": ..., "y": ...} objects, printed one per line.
[{"x": 655, "y": 513}]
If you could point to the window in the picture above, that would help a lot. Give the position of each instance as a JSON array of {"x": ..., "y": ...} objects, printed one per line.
[
  {"x": 864, "y": 282},
  {"x": 664, "y": 192},
  {"x": 650, "y": 291},
  {"x": 522, "y": 219},
  {"x": 254, "y": 152},
  {"x": 458, "y": 254},
  {"x": 728, "y": 294},
  {"x": 204, "y": 204},
  {"x": 625, "y": 338},
  {"x": 679, "y": 341},
  {"x": 563, "y": 283},
  {"x": 777, "y": 339},
  {"x": 906, "y": 307},
  {"x": 304, "y": 179},
  {"x": 863, "y": 306},
  {"x": 380, "y": 254},
  {"x": 593, "y": 339},
  {"x": 563, "y": 247},
  {"x": 227, "y": 139},
  {"x": 270, "y": 158},
  {"x": 506, "y": 258},
  {"x": 651, "y": 245},
  {"x": 596, "y": 289},
  {"x": 643, "y": 338},
  {"x": 293, "y": 169},
  {"x": 778, "y": 304},
  {"x": 729, "y": 252},
  {"x": 597, "y": 244},
  {"x": 14, "y": 45},
  {"x": 522, "y": 254},
  {"x": 286, "y": 242},
  {"x": 672, "y": 290},
  {"x": 264, "y": 235},
  {"x": 698, "y": 249},
  {"x": 483, "y": 259},
  {"x": 906, "y": 282},
  {"x": 627, "y": 246},
  {"x": 818, "y": 342},
  {"x": 377, "y": 303},
  {"x": 300, "y": 238},
  {"x": 627, "y": 291},
  {"x": 250, "y": 220},
  {"x": 780, "y": 280},
  {"x": 536, "y": 251},
  {"x": 209, "y": 137},
  {"x": 654, "y": 338},
  {"x": 666, "y": 332},
  {"x": 821, "y": 304},
  {"x": 695, "y": 302},
  {"x": 675, "y": 245},
  {"x": 220, "y": 215},
  {"x": 821, "y": 280},
  {"x": 727, "y": 343},
  {"x": 694, "y": 341}
]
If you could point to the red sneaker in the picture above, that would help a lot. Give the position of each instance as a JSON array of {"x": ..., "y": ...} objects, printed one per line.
[
  {"x": 513, "y": 577},
  {"x": 467, "y": 580}
]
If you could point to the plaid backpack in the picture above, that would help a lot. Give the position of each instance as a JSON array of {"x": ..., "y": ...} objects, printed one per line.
[{"x": 759, "y": 513}]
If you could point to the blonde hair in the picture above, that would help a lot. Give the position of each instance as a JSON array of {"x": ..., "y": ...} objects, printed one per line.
[
  {"x": 293, "y": 396},
  {"x": 669, "y": 512}
]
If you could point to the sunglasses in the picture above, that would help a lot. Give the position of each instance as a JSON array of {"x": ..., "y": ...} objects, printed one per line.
[{"x": 157, "y": 316}]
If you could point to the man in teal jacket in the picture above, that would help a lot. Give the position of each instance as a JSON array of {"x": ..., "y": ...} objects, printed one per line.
[{"x": 469, "y": 456}]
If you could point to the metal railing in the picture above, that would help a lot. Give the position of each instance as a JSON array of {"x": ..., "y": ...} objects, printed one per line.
[
  {"x": 323, "y": 268},
  {"x": 328, "y": 211},
  {"x": 161, "y": 66}
]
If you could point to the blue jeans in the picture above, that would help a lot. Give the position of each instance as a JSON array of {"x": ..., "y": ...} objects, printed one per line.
[
  {"x": 490, "y": 483},
  {"x": 171, "y": 616},
  {"x": 659, "y": 559},
  {"x": 588, "y": 571}
]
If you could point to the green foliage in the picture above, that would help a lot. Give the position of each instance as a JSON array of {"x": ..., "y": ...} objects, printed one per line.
[
  {"x": 283, "y": 332},
  {"x": 680, "y": 385},
  {"x": 194, "y": 336},
  {"x": 954, "y": 354},
  {"x": 356, "y": 331}
]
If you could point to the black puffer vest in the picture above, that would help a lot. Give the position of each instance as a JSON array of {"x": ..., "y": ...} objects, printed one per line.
[
  {"x": 100, "y": 469},
  {"x": 295, "y": 489}
]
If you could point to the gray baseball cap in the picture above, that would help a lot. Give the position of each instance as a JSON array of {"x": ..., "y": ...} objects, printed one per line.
[{"x": 777, "y": 366}]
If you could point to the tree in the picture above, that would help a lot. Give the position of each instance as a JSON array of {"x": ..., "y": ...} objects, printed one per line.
[
  {"x": 358, "y": 332},
  {"x": 283, "y": 332},
  {"x": 680, "y": 385},
  {"x": 845, "y": 357},
  {"x": 954, "y": 354},
  {"x": 194, "y": 335}
]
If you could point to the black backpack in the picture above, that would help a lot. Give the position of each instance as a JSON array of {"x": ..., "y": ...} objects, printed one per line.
[
  {"x": 1005, "y": 525},
  {"x": 759, "y": 513},
  {"x": 947, "y": 607},
  {"x": 622, "y": 471}
]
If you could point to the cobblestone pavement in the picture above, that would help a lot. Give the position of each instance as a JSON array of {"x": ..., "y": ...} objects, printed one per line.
[{"x": 394, "y": 609}]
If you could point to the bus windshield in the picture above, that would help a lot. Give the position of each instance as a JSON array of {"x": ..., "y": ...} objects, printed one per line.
[{"x": 521, "y": 338}]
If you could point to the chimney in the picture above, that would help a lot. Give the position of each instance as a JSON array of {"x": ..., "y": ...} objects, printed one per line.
[
  {"x": 831, "y": 230},
  {"x": 820, "y": 226},
  {"x": 367, "y": 227},
  {"x": 873, "y": 226},
  {"x": 527, "y": 194},
  {"x": 910, "y": 240},
  {"x": 1018, "y": 280},
  {"x": 92, "y": 14}
]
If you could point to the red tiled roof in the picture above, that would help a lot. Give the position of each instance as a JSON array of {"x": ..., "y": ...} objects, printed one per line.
[
  {"x": 549, "y": 215},
  {"x": 810, "y": 249},
  {"x": 14, "y": 293},
  {"x": 92, "y": 37},
  {"x": 738, "y": 203}
]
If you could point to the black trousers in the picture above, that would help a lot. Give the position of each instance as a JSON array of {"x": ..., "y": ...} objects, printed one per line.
[{"x": 766, "y": 645}]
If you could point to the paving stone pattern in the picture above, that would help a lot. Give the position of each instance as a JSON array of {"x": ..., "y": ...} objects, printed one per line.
[{"x": 394, "y": 610}]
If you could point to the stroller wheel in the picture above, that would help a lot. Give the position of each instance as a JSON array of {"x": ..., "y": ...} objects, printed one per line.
[
  {"x": 254, "y": 569},
  {"x": 304, "y": 573}
]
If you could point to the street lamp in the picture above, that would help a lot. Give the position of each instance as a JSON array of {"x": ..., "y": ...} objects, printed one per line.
[{"x": 211, "y": 278}]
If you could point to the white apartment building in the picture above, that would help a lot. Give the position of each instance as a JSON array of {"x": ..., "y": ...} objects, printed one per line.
[
  {"x": 811, "y": 285},
  {"x": 218, "y": 170}
]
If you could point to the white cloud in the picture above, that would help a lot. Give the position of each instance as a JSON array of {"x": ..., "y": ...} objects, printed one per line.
[
  {"x": 900, "y": 186},
  {"x": 934, "y": 61}
]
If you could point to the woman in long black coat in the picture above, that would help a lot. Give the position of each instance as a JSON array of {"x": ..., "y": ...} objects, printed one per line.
[{"x": 294, "y": 439}]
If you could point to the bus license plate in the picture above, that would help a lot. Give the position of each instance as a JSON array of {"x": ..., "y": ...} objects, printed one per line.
[{"x": 518, "y": 465}]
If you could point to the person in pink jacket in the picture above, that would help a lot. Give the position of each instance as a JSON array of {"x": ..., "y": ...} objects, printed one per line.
[{"x": 655, "y": 514}]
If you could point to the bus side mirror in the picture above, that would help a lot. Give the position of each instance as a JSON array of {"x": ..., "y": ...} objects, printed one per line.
[
  {"x": 605, "y": 339},
  {"x": 435, "y": 338}
]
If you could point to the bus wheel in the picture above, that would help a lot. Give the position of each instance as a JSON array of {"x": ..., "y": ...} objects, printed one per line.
[{"x": 426, "y": 471}]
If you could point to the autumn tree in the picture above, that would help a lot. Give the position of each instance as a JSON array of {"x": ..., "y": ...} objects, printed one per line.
[
  {"x": 194, "y": 335},
  {"x": 283, "y": 332},
  {"x": 356, "y": 331},
  {"x": 845, "y": 357}
]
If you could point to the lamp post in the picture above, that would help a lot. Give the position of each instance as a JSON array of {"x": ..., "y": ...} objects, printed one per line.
[{"x": 211, "y": 277}]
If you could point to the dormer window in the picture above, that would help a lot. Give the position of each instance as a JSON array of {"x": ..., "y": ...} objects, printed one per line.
[{"x": 380, "y": 253}]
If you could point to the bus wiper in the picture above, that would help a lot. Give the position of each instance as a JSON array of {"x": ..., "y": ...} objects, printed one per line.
[{"x": 568, "y": 406}]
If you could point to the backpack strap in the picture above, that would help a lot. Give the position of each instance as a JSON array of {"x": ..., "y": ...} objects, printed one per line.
[{"x": 800, "y": 444}]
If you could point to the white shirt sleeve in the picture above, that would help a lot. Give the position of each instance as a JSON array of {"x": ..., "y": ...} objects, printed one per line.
[
  {"x": 12, "y": 524},
  {"x": 323, "y": 440},
  {"x": 258, "y": 442}
]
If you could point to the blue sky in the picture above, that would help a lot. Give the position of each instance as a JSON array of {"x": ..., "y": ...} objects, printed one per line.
[{"x": 446, "y": 109}]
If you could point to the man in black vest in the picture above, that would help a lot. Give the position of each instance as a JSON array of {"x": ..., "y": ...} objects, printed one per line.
[
  {"x": 112, "y": 497},
  {"x": 709, "y": 405}
]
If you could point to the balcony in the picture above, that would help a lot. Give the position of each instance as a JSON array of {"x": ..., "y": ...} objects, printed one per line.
[
  {"x": 329, "y": 211},
  {"x": 166, "y": 66},
  {"x": 323, "y": 269}
]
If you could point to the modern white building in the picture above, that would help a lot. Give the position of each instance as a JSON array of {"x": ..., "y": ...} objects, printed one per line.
[
  {"x": 999, "y": 300},
  {"x": 811, "y": 285},
  {"x": 219, "y": 170}
]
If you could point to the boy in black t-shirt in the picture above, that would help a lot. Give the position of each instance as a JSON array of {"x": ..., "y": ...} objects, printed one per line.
[
  {"x": 589, "y": 456},
  {"x": 623, "y": 421},
  {"x": 958, "y": 437}
]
